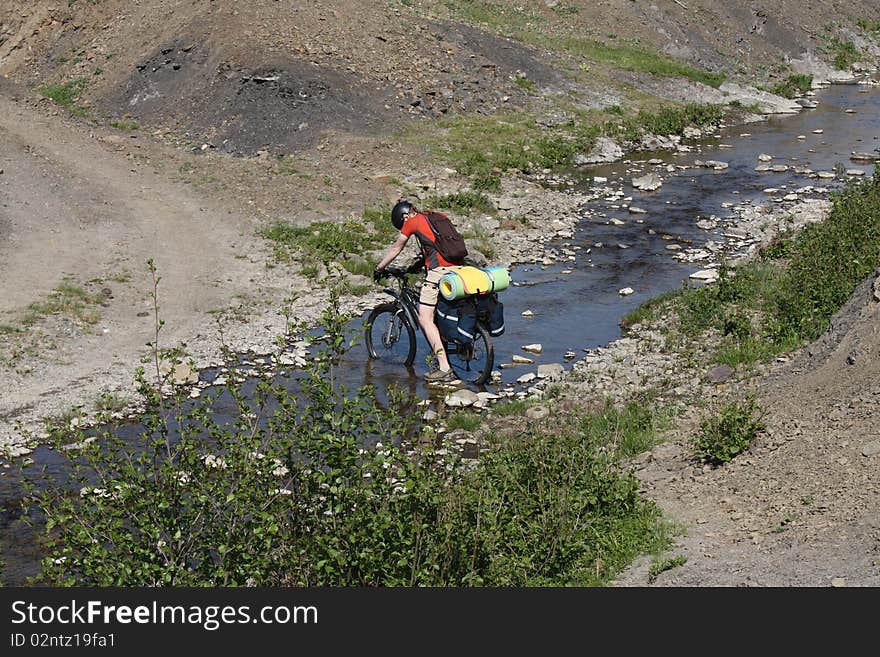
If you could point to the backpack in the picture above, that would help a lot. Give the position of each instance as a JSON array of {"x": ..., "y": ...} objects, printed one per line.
[{"x": 448, "y": 241}]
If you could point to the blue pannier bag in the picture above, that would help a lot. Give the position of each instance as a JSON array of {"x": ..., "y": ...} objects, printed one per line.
[
  {"x": 491, "y": 312},
  {"x": 457, "y": 320}
]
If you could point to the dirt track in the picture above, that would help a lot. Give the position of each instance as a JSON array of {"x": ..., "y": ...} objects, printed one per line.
[{"x": 75, "y": 207}]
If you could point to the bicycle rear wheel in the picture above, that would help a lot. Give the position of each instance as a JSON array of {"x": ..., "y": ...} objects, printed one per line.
[
  {"x": 389, "y": 335},
  {"x": 473, "y": 362}
]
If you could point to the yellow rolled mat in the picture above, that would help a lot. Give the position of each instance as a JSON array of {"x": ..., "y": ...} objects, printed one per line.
[{"x": 464, "y": 281}]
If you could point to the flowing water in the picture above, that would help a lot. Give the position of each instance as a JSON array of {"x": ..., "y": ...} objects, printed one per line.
[{"x": 576, "y": 303}]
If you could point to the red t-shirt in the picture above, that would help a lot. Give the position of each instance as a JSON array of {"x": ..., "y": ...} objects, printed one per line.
[{"x": 419, "y": 226}]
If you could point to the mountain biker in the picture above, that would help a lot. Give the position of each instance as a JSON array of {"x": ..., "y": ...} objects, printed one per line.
[{"x": 409, "y": 220}]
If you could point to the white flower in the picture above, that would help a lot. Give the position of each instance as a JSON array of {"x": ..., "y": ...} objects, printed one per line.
[{"x": 214, "y": 461}]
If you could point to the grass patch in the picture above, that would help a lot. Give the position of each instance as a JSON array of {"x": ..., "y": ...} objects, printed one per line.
[
  {"x": 464, "y": 420},
  {"x": 520, "y": 23},
  {"x": 632, "y": 57},
  {"x": 65, "y": 94},
  {"x": 68, "y": 299},
  {"x": 662, "y": 565},
  {"x": 482, "y": 241},
  {"x": 325, "y": 242},
  {"x": 125, "y": 125},
  {"x": 844, "y": 53},
  {"x": 514, "y": 407},
  {"x": 464, "y": 202},
  {"x": 483, "y": 147},
  {"x": 793, "y": 86},
  {"x": 628, "y": 430},
  {"x": 870, "y": 27}
]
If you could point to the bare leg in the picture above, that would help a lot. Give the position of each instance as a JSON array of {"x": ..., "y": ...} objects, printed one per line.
[{"x": 426, "y": 319}]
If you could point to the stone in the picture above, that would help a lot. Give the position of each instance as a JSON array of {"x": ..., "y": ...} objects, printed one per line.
[
  {"x": 523, "y": 360},
  {"x": 551, "y": 371},
  {"x": 533, "y": 348},
  {"x": 720, "y": 374},
  {"x": 461, "y": 398},
  {"x": 649, "y": 182},
  {"x": 527, "y": 378},
  {"x": 605, "y": 150},
  {"x": 871, "y": 449},
  {"x": 625, "y": 292},
  {"x": 537, "y": 412},
  {"x": 705, "y": 275}
]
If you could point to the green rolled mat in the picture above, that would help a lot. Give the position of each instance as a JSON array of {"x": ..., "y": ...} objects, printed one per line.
[{"x": 464, "y": 281}]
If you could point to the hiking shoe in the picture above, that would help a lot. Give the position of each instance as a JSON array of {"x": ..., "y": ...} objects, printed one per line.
[{"x": 439, "y": 376}]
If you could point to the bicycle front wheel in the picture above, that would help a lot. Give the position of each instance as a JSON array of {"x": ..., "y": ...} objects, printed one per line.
[
  {"x": 473, "y": 362},
  {"x": 389, "y": 335}
]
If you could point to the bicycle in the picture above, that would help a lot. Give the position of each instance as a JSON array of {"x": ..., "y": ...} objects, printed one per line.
[{"x": 391, "y": 335}]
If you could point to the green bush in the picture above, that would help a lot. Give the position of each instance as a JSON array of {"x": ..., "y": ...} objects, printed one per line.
[
  {"x": 828, "y": 260},
  {"x": 319, "y": 491},
  {"x": 729, "y": 433},
  {"x": 794, "y": 85}
]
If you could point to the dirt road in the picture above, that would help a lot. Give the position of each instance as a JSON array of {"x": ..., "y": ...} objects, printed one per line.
[{"x": 79, "y": 210}]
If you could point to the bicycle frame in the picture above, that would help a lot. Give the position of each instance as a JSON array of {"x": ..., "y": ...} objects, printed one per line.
[{"x": 405, "y": 303}]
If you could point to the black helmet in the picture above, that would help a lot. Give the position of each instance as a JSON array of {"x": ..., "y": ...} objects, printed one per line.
[{"x": 398, "y": 211}]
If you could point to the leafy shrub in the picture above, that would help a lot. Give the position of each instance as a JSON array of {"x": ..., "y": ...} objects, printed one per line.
[
  {"x": 793, "y": 86},
  {"x": 730, "y": 433},
  {"x": 258, "y": 487}
]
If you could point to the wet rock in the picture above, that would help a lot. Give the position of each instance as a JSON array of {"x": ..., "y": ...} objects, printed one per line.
[
  {"x": 763, "y": 157},
  {"x": 533, "y": 348},
  {"x": 527, "y": 378},
  {"x": 649, "y": 182},
  {"x": 522, "y": 360},
  {"x": 625, "y": 292},
  {"x": 462, "y": 398},
  {"x": 854, "y": 156}
]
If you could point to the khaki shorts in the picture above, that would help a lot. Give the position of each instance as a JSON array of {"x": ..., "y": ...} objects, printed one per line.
[{"x": 431, "y": 286}]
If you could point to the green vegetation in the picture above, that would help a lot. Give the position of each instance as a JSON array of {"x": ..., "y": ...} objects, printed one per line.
[
  {"x": 68, "y": 299},
  {"x": 633, "y": 57},
  {"x": 464, "y": 420},
  {"x": 461, "y": 202},
  {"x": 483, "y": 147},
  {"x": 728, "y": 434},
  {"x": 321, "y": 493},
  {"x": 845, "y": 53},
  {"x": 662, "y": 565},
  {"x": 482, "y": 241},
  {"x": 521, "y": 24},
  {"x": 870, "y": 27},
  {"x": 125, "y": 125},
  {"x": 66, "y": 94},
  {"x": 787, "y": 295},
  {"x": 793, "y": 86},
  {"x": 325, "y": 242}
]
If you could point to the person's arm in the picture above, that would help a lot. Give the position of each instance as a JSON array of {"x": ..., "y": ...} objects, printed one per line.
[{"x": 393, "y": 251}]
